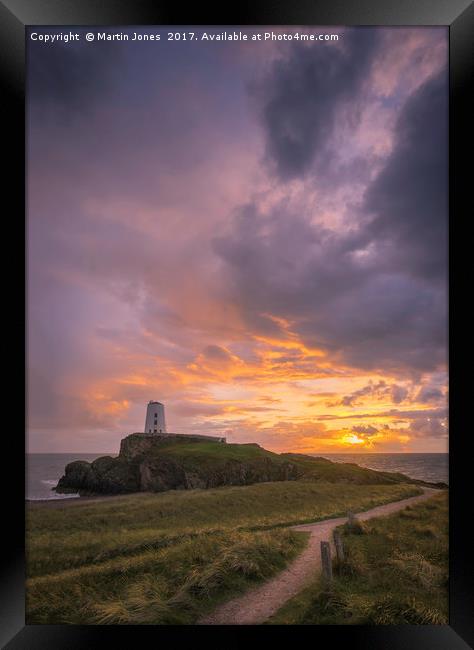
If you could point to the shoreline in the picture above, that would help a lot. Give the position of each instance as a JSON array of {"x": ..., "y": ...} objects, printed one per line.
[{"x": 77, "y": 500}]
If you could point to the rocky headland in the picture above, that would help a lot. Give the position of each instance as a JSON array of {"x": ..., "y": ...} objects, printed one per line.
[{"x": 155, "y": 463}]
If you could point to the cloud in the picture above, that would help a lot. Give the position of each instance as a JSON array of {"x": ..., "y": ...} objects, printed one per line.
[
  {"x": 69, "y": 78},
  {"x": 373, "y": 297},
  {"x": 301, "y": 435},
  {"x": 166, "y": 261},
  {"x": 216, "y": 353},
  {"x": 192, "y": 409},
  {"x": 366, "y": 430},
  {"x": 303, "y": 94},
  {"x": 429, "y": 428},
  {"x": 428, "y": 394},
  {"x": 374, "y": 390},
  {"x": 398, "y": 393},
  {"x": 409, "y": 198},
  {"x": 409, "y": 414}
]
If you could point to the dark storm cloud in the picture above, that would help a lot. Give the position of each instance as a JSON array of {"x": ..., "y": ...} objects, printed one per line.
[
  {"x": 375, "y": 295},
  {"x": 282, "y": 261},
  {"x": 409, "y": 198},
  {"x": 302, "y": 96},
  {"x": 69, "y": 77}
]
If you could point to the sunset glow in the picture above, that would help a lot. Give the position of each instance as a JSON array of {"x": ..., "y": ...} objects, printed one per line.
[{"x": 273, "y": 271}]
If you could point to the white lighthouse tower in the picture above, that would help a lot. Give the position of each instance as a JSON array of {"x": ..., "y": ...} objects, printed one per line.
[{"x": 155, "y": 418}]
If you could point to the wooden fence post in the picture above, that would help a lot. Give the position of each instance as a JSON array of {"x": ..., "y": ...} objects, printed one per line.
[
  {"x": 351, "y": 518},
  {"x": 339, "y": 546},
  {"x": 326, "y": 561}
]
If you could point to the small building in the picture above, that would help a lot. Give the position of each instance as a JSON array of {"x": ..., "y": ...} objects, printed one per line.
[
  {"x": 155, "y": 418},
  {"x": 155, "y": 424}
]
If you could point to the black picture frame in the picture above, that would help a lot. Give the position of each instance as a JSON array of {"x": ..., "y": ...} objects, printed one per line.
[{"x": 15, "y": 15}]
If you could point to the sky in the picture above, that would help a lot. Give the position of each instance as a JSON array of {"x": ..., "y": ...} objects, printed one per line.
[{"x": 253, "y": 233}]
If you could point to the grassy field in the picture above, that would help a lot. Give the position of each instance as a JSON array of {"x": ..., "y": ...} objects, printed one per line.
[
  {"x": 395, "y": 572},
  {"x": 199, "y": 453},
  {"x": 170, "y": 557}
]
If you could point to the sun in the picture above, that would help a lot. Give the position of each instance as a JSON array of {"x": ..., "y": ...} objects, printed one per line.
[{"x": 352, "y": 439}]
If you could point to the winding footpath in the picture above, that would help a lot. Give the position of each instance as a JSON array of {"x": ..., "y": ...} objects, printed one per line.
[{"x": 258, "y": 604}]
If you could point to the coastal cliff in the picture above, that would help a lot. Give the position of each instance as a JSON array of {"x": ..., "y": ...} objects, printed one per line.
[{"x": 154, "y": 463}]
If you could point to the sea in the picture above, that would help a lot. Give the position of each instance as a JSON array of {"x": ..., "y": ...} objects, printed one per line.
[
  {"x": 43, "y": 471},
  {"x": 433, "y": 468}
]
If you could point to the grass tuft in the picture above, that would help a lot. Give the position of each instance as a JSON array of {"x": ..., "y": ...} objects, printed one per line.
[
  {"x": 355, "y": 527},
  {"x": 395, "y": 573},
  {"x": 393, "y": 611}
]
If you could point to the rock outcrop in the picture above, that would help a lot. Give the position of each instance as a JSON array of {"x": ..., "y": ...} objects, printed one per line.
[{"x": 154, "y": 463}]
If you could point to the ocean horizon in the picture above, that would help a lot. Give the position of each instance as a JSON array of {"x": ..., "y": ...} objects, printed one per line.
[
  {"x": 44, "y": 470},
  {"x": 431, "y": 467}
]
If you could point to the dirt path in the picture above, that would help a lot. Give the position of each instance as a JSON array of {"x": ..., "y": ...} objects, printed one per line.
[{"x": 258, "y": 604}]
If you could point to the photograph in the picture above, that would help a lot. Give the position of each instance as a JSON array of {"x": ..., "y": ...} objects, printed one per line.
[
  {"x": 237, "y": 269},
  {"x": 237, "y": 325}
]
